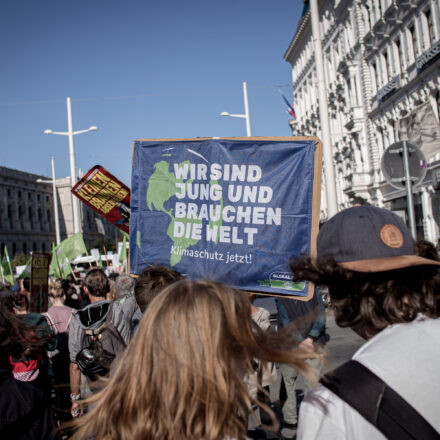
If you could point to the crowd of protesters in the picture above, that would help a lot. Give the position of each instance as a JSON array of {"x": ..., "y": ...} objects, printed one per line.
[{"x": 158, "y": 356}]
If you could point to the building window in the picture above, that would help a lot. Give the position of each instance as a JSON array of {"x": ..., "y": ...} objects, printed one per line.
[
  {"x": 30, "y": 214},
  {"x": 389, "y": 61},
  {"x": 14, "y": 248},
  {"x": 24, "y": 248},
  {"x": 38, "y": 197},
  {"x": 428, "y": 27},
  {"x": 413, "y": 41},
  {"x": 376, "y": 10},
  {"x": 9, "y": 192},
  {"x": 398, "y": 55},
  {"x": 29, "y": 196},
  {"x": 47, "y": 198},
  {"x": 44, "y": 247},
  {"x": 48, "y": 216},
  {"x": 366, "y": 15},
  {"x": 34, "y": 247},
  {"x": 19, "y": 194},
  {"x": 384, "y": 66},
  {"x": 391, "y": 131},
  {"x": 10, "y": 222},
  {"x": 374, "y": 77}
]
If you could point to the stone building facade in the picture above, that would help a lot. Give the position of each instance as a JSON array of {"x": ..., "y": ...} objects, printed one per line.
[
  {"x": 27, "y": 214},
  {"x": 382, "y": 62}
]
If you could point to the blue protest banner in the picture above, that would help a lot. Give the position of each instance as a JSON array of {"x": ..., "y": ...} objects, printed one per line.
[{"x": 233, "y": 210}]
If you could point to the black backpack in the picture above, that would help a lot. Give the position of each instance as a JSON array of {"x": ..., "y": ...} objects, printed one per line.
[{"x": 100, "y": 347}]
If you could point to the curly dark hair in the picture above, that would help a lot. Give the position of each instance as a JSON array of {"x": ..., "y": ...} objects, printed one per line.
[
  {"x": 368, "y": 302},
  {"x": 427, "y": 250}
]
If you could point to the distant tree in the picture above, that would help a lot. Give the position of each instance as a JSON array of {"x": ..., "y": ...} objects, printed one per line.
[
  {"x": 100, "y": 243},
  {"x": 19, "y": 260}
]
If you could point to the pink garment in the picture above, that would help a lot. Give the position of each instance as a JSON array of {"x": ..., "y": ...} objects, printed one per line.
[{"x": 59, "y": 317}]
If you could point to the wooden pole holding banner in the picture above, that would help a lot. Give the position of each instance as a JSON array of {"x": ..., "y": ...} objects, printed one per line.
[{"x": 90, "y": 264}]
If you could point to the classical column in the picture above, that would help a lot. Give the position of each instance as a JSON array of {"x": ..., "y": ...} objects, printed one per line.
[{"x": 429, "y": 226}]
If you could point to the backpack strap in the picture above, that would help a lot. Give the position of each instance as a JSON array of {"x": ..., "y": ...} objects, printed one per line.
[
  {"x": 68, "y": 322},
  {"x": 52, "y": 324},
  {"x": 379, "y": 404},
  {"x": 97, "y": 331}
]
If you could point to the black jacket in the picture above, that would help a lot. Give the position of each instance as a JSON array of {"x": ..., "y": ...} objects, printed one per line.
[
  {"x": 24, "y": 413},
  {"x": 308, "y": 317}
]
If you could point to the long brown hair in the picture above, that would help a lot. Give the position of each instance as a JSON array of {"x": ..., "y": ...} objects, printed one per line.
[{"x": 183, "y": 376}]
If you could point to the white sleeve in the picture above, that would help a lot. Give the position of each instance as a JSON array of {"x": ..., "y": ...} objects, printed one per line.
[
  {"x": 317, "y": 419},
  {"x": 324, "y": 416}
]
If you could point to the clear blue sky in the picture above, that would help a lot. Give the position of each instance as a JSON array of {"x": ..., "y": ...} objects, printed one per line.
[{"x": 137, "y": 69}]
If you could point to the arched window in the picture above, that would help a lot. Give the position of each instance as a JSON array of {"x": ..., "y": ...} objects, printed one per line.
[
  {"x": 10, "y": 216},
  {"x": 24, "y": 248},
  {"x": 44, "y": 247},
  {"x": 20, "y": 215},
  {"x": 14, "y": 248},
  {"x": 34, "y": 247}
]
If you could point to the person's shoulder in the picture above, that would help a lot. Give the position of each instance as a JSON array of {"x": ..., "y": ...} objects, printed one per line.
[
  {"x": 323, "y": 415},
  {"x": 34, "y": 319},
  {"x": 402, "y": 334}
]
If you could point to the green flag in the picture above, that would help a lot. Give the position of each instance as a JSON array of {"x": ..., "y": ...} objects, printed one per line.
[
  {"x": 65, "y": 266},
  {"x": 27, "y": 270},
  {"x": 73, "y": 246},
  {"x": 6, "y": 267},
  {"x": 62, "y": 262},
  {"x": 54, "y": 269},
  {"x": 100, "y": 261},
  {"x": 69, "y": 249},
  {"x": 123, "y": 254}
]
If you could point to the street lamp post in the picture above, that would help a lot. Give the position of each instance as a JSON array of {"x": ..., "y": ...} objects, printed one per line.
[
  {"x": 55, "y": 202},
  {"x": 246, "y": 111},
  {"x": 70, "y": 133},
  {"x": 329, "y": 172}
]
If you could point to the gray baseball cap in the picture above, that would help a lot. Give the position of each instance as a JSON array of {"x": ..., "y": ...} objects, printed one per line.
[{"x": 369, "y": 239}]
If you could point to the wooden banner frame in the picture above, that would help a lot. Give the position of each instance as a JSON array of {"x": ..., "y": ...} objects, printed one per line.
[{"x": 316, "y": 190}]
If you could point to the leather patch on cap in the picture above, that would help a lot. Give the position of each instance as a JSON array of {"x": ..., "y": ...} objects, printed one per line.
[{"x": 391, "y": 236}]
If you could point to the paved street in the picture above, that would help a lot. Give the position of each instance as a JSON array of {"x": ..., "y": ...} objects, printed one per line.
[{"x": 343, "y": 342}]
